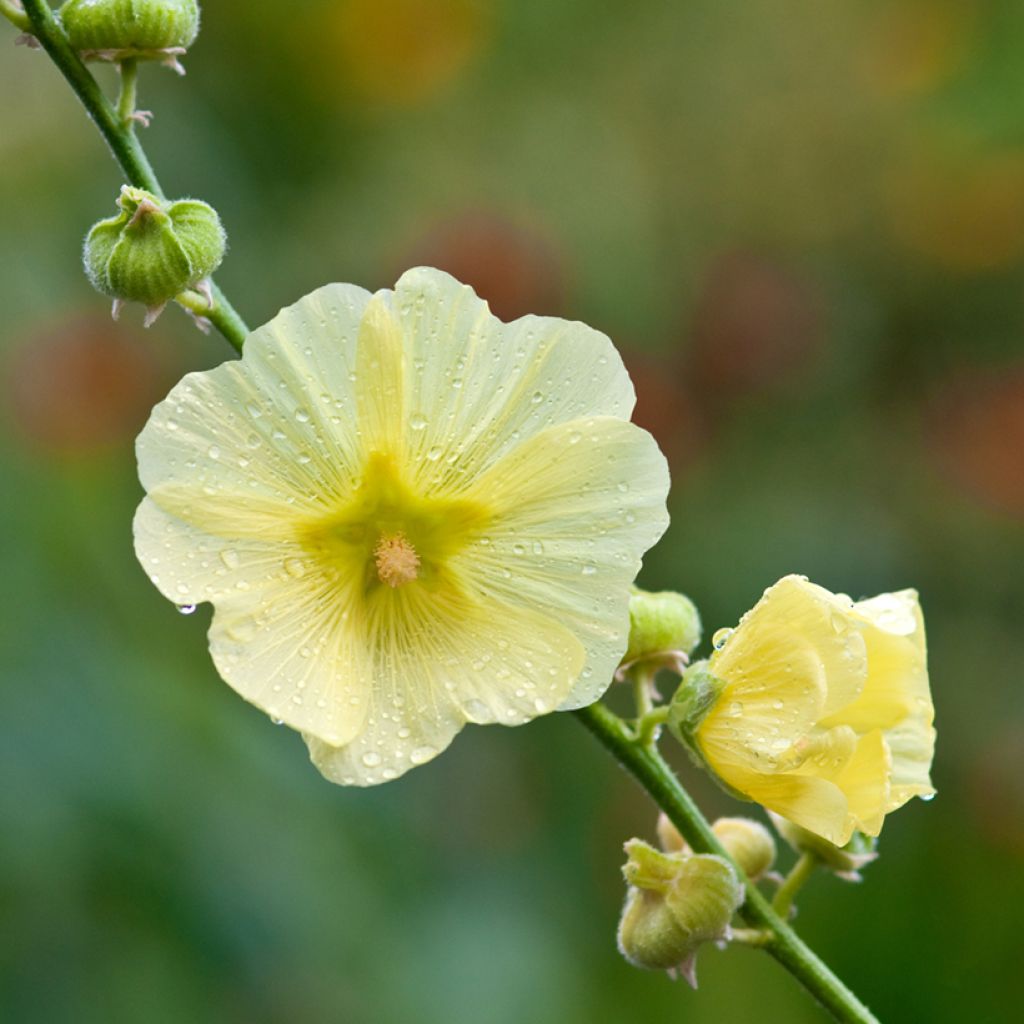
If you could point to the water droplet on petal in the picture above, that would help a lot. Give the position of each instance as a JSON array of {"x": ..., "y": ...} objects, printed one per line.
[
  {"x": 230, "y": 558},
  {"x": 295, "y": 567},
  {"x": 186, "y": 609},
  {"x": 420, "y": 755},
  {"x": 418, "y": 421},
  {"x": 371, "y": 759},
  {"x": 721, "y": 638},
  {"x": 302, "y": 415}
]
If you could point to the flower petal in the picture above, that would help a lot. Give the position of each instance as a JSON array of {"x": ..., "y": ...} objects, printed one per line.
[
  {"x": 865, "y": 782},
  {"x": 793, "y": 615},
  {"x": 278, "y": 635},
  {"x": 465, "y": 660},
  {"x": 244, "y": 448},
  {"x": 478, "y": 387},
  {"x": 575, "y": 507}
]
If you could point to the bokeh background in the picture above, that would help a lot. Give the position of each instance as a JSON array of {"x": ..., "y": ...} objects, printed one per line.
[{"x": 803, "y": 223}]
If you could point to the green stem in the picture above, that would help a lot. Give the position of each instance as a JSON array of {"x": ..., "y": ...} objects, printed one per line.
[
  {"x": 653, "y": 773},
  {"x": 126, "y": 99},
  {"x": 793, "y": 883},
  {"x": 121, "y": 140},
  {"x": 15, "y": 15}
]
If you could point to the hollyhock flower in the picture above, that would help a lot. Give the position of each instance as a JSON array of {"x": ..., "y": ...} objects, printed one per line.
[
  {"x": 408, "y": 516},
  {"x": 816, "y": 707}
]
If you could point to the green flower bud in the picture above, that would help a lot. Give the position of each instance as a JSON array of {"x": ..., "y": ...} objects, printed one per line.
[
  {"x": 843, "y": 861},
  {"x": 662, "y": 626},
  {"x": 748, "y": 842},
  {"x": 153, "y": 250},
  {"x": 675, "y": 902},
  {"x": 131, "y": 29}
]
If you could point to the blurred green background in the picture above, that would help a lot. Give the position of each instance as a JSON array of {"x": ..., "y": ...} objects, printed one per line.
[{"x": 803, "y": 223}]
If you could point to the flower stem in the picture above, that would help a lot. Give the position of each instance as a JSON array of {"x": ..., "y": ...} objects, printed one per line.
[
  {"x": 126, "y": 99},
  {"x": 12, "y": 11},
  {"x": 793, "y": 882},
  {"x": 652, "y": 772},
  {"x": 120, "y": 138}
]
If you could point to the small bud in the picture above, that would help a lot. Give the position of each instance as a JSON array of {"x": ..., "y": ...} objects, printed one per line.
[
  {"x": 131, "y": 29},
  {"x": 748, "y": 842},
  {"x": 675, "y": 902},
  {"x": 843, "y": 861},
  {"x": 663, "y": 627},
  {"x": 153, "y": 250}
]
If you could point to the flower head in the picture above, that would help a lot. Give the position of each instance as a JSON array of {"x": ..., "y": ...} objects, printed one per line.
[
  {"x": 408, "y": 516},
  {"x": 817, "y": 707}
]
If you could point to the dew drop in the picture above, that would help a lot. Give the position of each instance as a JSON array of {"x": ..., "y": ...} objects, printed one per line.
[
  {"x": 277, "y": 721},
  {"x": 186, "y": 609},
  {"x": 434, "y": 454},
  {"x": 420, "y": 755},
  {"x": 213, "y": 451},
  {"x": 371, "y": 759},
  {"x": 721, "y": 638},
  {"x": 589, "y": 569},
  {"x": 302, "y": 415},
  {"x": 418, "y": 421},
  {"x": 230, "y": 558},
  {"x": 295, "y": 567},
  {"x": 537, "y": 397}
]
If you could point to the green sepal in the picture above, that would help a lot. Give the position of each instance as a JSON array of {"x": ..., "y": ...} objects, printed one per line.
[
  {"x": 152, "y": 251},
  {"x": 140, "y": 29}
]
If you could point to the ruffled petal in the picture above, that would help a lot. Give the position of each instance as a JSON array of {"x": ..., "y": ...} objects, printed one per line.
[
  {"x": 865, "y": 782},
  {"x": 251, "y": 445},
  {"x": 795, "y": 615},
  {"x": 442, "y": 659},
  {"x": 477, "y": 387},
  {"x": 575, "y": 507},
  {"x": 279, "y": 635}
]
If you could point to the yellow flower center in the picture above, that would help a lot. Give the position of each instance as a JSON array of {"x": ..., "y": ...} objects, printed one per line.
[
  {"x": 397, "y": 561},
  {"x": 386, "y": 536}
]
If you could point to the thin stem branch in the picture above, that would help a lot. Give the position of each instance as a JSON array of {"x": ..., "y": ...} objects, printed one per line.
[
  {"x": 126, "y": 99},
  {"x": 793, "y": 883},
  {"x": 653, "y": 773},
  {"x": 14, "y": 13},
  {"x": 121, "y": 139}
]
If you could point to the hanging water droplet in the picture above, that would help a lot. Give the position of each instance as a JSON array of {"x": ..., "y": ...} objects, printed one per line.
[
  {"x": 420, "y": 755},
  {"x": 721, "y": 638},
  {"x": 277, "y": 721},
  {"x": 186, "y": 609}
]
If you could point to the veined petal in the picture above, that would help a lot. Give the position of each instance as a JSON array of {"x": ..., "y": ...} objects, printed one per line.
[
  {"x": 279, "y": 635},
  {"x": 575, "y": 507},
  {"x": 865, "y": 782},
  {"x": 478, "y": 387},
  {"x": 795, "y": 614},
  {"x": 443, "y": 659},
  {"x": 813, "y": 803}
]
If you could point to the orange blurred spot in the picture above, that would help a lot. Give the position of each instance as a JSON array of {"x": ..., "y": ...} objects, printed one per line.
[
  {"x": 515, "y": 267},
  {"x": 977, "y": 436},
  {"x": 965, "y": 214},
  {"x": 755, "y": 324},
  {"x": 399, "y": 52},
  {"x": 913, "y": 47},
  {"x": 81, "y": 384}
]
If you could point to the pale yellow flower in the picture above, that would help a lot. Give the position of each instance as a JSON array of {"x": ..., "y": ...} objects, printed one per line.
[
  {"x": 818, "y": 707},
  {"x": 408, "y": 516}
]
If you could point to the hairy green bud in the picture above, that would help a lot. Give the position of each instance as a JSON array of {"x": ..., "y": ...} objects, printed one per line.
[
  {"x": 131, "y": 29},
  {"x": 153, "y": 250},
  {"x": 675, "y": 902},
  {"x": 662, "y": 626}
]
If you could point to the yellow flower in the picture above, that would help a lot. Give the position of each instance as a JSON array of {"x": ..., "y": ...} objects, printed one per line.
[
  {"x": 408, "y": 516},
  {"x": 817, "y": 707}
]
